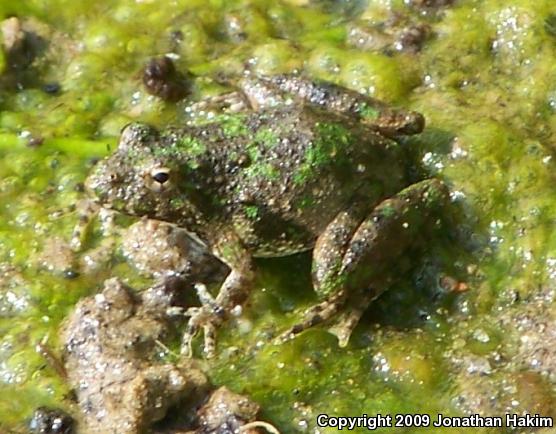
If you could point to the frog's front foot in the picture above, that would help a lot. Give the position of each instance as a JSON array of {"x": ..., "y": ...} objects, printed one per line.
[
  {"x": 208, "y": 317},
  {"x": 233, "y": 292}
]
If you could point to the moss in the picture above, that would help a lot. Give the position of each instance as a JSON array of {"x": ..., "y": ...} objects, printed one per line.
[
  {"x": 186, "y": 148},
  {"x": 550, "y": 25},
  {"x": 232, "y": 125},
  {"x": 323, "y": 151},
  {"x": 251, "y": 212},
  {"x": 368, "y": 112},
  {"x": 191, "y": 146},
  {"x": 388, "y": 210},
  {"x": 276, "y": 57},
  {"x": 267, "y": 137},
  {"x": 253, "y": 151},
  {"x": 258, "y": 167},
  {"x": 307, "y": 202},
  {"x": 263, "y": 170},
  {"x": 177, "y": 203}
]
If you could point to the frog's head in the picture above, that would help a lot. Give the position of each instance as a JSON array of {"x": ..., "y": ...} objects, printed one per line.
[{"x": 139, "y": 178}]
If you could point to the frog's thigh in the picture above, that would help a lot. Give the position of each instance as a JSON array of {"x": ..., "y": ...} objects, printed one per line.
[
  {"x": 368, "y": 266},
  {"x": 355, "y": 247},
  {"x": 350, "y": 259},
  {"x": 331, "y": 247},
  {"x": 389, "y": 229}
]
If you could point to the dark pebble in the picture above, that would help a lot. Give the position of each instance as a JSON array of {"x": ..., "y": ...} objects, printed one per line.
[
  {"x": 52, "y": 88},
  {"x": 35, "y": 142},
  {"x": 51, "y": 421},
  {"x": 161, "y": 78},
  {"x": 71, "y": 274}
]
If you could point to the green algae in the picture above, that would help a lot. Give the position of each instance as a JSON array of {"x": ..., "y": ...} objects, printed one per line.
[{"x": 485, "y": 83}]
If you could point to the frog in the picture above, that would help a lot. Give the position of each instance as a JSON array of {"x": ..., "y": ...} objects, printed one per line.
[{"x": 284, "y": 165}]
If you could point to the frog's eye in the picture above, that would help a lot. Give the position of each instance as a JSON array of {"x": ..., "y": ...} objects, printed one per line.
[{"x": 160, "y": 178}]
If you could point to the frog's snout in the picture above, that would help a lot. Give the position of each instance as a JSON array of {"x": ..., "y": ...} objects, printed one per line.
[{"x": 100, "y": 183}]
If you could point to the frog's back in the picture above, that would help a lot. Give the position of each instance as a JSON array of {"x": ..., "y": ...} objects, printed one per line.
[{"x": 285, "y": 174}]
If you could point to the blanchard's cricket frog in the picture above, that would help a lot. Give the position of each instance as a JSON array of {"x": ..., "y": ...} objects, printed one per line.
[{"x": 289, "y": 165}]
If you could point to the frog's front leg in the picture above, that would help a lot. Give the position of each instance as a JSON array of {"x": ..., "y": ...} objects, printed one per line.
[
  {"x": 233, "y": 292},
  {"x": 352, "y": 256},
  {"x": 86, "y": 211}
]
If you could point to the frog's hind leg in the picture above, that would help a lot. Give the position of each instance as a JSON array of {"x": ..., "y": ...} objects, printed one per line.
[
  {"x": 353, "y": 254},
  {"x": 376, "y": 114},
  {"x": 231, "y": 102},
  {"x": 329, "y": 249}
]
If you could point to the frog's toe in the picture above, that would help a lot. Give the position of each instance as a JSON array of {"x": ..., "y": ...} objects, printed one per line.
[
  {"x": 86, "y": 210},
  {"x": 349, "y": 318},
  {"x": 207, "y": 317},
  {"x": 343, "y": 332},
  {"x": 344, "y": 326},
  {"x": 209, "y": 331},
  {"x": 187, "y": 339},
  {"x": 196, "y": 320},
  {"x": 314, "y": 316},
  {"x": 201, "y": 318}
]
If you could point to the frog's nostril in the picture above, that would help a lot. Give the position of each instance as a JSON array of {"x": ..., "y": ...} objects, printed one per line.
[{"x": 109, "y": 176}]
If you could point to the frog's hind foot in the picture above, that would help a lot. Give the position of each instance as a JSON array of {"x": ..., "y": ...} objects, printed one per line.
[{"x": 315, "y": 315}]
